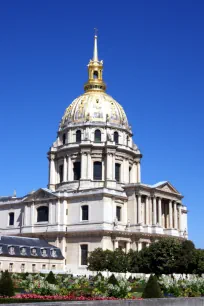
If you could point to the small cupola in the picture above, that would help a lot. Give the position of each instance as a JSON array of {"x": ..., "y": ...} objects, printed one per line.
[{"x": 95, "y": 71}]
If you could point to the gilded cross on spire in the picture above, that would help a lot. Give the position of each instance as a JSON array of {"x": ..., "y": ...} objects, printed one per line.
[{"x": 96, "y": 31}]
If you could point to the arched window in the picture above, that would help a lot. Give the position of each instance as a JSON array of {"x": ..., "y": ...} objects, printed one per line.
[
  {"x": 116, "y": 137},
  {"x": 97, "y": 171},
  {"x": 77, "y": 171},
  {"x": 117, "y": 172},
  {"x": 61, "y": 172},
  {"x": 95, "y": 75},
  {"x": 127, "y": 141},
  {"x": 78, "y": 136},
  {"x": 85, "y": 213},
  {"x": 42, "y": 214},
  {"x": 64, "y": 138},
  {"x": 97, "y": 136},
  {"x": 11, "y": 218}
]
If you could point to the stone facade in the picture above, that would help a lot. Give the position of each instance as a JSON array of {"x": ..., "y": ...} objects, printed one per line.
[{"x": 95, "y": 197}]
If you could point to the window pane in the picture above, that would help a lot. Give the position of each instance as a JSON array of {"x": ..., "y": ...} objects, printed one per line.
[
  {"x": 85, "y": 212},
  {"x": 116, "y": 137},
  {"x": 77, "y": 171},
  {"x": 78, "y": 136},
  {"x": 64, "y": 138},
  {"x": 117, "y": 172},
  {"x": 11, "y": 219},
  {"x": 97, "y": 136},
  {"x": 61, "y": 170},
  {"x": 97, "y": 171},
  {"x": 42, "y": 214},
  {"x": 118, "y": 213},
  {"x": 84, "y": 254}
]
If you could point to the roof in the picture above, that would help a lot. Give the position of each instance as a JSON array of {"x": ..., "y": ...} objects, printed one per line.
[{"x": 14, "y": 246}]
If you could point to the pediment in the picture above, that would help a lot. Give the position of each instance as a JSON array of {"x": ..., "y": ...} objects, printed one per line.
[
  {"x": 168, "y": 188},
  {"x": 41, "y": 194}
]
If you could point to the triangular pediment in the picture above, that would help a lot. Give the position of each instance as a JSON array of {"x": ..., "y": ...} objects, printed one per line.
[
  {"x": 41, "y": 194},
  {"x": 166, "y": 186}
]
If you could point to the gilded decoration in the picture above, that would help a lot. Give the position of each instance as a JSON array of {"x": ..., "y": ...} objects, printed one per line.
[{"x": 95, "y": 105}]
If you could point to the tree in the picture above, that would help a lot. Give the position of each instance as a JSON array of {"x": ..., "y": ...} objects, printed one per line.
[
  {"x": 186, "y": 259},
  {"x": 160, "y": 257},
  {"x": 119, "y": 261},
  {"x": 133, "y": 261},
  {"x": 152, "y": 289},
  {"x": 113, "y": 280},
  {"x": 6, "y": 284},
  {"x": 199, "y": 259},
  {"x": 98, "y": 260},
  {"x": 51, "y": 278}
]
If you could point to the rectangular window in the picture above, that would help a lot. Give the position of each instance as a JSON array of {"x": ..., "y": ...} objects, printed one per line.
[
  {"x": 118, "y": 213},
  {"x": 117, "y": 172},
  {"x": 33, "y": 268},
  {"x": 22, "y": 268},
  {"x": 97, "y": 171},
  {"x": 44, "y": 267},
  {"x": 11, "y": 218},
  {"x": 84, "y": 254},
  {"x": 67, "y": 212},
  {"x": 85, "y": 213},
  {"x": 53, "y": 267},
  {"x": 77, "y": 171},
  {"x": 61, "y": 170},
  {"x": 11, "y": 267}
]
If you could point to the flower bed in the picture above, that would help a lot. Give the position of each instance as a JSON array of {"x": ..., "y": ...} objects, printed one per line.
[{"x": 28, "y": 298}]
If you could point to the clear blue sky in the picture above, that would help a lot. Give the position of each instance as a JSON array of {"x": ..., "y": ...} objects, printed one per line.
[{"x": 153, "y": 54}]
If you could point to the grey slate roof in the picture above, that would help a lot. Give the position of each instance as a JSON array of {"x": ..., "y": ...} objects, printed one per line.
[{"x": 14, "y": 246}]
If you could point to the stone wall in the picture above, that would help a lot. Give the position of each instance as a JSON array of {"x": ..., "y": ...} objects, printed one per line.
[{"x": 148, "y": 302}]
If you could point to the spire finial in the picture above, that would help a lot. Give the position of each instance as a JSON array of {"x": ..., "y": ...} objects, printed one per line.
[
  {"x": 95, "y": 70},
  {"x": 95, "y": 53}
]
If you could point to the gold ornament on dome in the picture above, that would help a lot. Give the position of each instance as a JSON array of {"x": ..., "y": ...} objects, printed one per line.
[{"x": 95, "y": 105}]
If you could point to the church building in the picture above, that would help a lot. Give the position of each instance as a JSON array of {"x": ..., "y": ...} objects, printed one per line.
[{"x": 95, "y": 197}]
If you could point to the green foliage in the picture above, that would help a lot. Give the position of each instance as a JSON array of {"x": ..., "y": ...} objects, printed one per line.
[
  {"x": 6, "y": 284},
  {"x": 133, "y": 261},
  {"x": 185, "y": 262},
  {"x": 152, "y": 289},
  {"x": 51, "y": 278},
  {"x": 199, "y": 259},
  {"x": 160, "y": 257},
  {"x": 119, "y": 261},
  {"x": 113, "y": 280},
  {"x": 97, "y": 260}
]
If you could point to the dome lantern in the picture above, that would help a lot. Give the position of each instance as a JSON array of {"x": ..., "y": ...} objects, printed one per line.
[{"x": 95, "y": 71}]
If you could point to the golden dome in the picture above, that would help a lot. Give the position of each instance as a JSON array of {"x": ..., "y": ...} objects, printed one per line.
[{"x": 95, "y": 106}]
